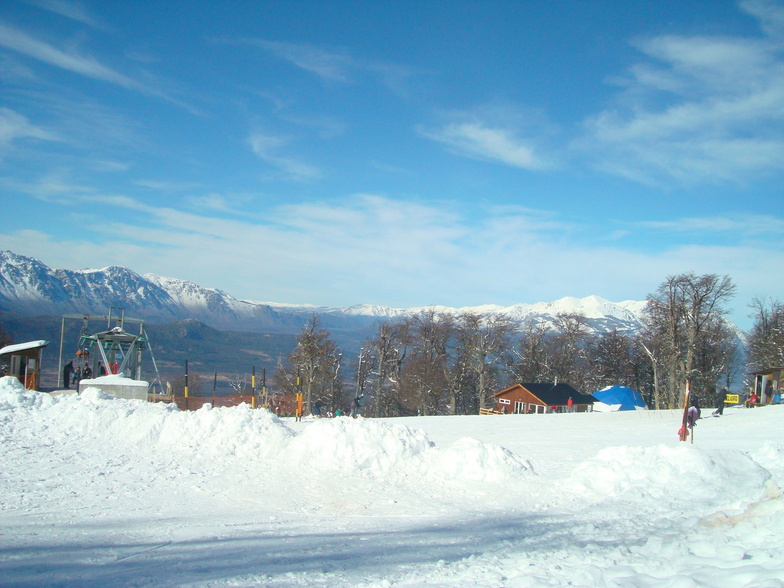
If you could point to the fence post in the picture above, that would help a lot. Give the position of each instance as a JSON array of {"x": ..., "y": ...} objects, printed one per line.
[{"x": 253, "y": 387}]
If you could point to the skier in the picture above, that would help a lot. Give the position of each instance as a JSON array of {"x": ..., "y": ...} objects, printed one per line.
[{"x": 721, "y": 396}]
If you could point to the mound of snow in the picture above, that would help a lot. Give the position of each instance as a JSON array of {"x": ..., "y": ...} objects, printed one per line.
[
  {"x": 664, "y": 473},
  {"x": 472, "y": 460},
  {"x": 357, "y": 445},
  {"x": 94, "y": 395},
  {"x": 369, "y": 447},
  {"x": 382, "y": 449},
  {"x": 14, "y": 394},
  {"x": 770, "y": 456}
]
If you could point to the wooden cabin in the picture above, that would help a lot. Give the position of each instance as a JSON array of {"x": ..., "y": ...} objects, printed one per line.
[
  {"x": 24, "y": 361},
  {"x": 541, "y": 398}
]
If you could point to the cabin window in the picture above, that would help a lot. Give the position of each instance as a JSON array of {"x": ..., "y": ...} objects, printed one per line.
[{"x": 504, "y": 401}]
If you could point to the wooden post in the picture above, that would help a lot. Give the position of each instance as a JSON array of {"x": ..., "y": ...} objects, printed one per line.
[
  {"x": 684, "y": 432},
  {"x": 298, "y": 413},
  {"x": 253, "y": 387}
]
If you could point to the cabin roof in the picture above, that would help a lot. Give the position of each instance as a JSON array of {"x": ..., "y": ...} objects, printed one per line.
[
  {"x": 551, "y": 394},
  {"x": 23, "y": 347}
]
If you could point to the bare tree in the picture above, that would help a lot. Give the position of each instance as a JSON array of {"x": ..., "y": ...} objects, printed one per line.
[
  {"x": 531, "y": 361},
  {"x": 766, "y": 340},
  {"x": 384, "y": 355},
  {"x": 570, "y": 363},
  {"x": 424, "y": 384},
  {"x": 313, "y": 366},
  {"x": 610, "y": 356},
  {"x": 239, "y": 383},
  {"x": 483, "y": 340},
  {"x": 682, "y": 315}
]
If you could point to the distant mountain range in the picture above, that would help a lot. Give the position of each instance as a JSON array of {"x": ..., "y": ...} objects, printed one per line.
[{"x": 28, "y": 286}]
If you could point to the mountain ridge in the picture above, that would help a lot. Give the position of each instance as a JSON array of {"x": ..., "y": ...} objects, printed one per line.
[{"x": 28, "y": 286}]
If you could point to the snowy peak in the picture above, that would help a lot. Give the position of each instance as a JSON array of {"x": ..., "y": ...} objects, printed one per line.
[{"x": 28, "y": 286}]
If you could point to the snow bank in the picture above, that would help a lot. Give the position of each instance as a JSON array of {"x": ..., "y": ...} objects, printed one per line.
[
  {"x": 14, "y": 395},
  {"x": 472, "y": 460},
  {"x": 367, "y": 447},
  {"x": 357, "y": 444},
  {"x": 98, "y": 490},
  {"x": 379, "y": 448},
  {"x": 668, "y": 474}
]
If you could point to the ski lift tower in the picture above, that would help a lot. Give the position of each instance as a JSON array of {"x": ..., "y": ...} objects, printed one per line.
[{"x": 114, "y": 350}]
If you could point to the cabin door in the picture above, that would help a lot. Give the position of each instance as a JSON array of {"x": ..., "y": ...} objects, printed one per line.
[{"x": 519, "y": 407}]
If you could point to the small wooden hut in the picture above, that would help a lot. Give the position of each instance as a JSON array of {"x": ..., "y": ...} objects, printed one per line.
[
  {"x": 24, "y": 362},
  {"x": 541, "y": 398}
]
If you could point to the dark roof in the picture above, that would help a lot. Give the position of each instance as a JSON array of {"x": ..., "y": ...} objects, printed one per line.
[{"x": 557, "y": 394}]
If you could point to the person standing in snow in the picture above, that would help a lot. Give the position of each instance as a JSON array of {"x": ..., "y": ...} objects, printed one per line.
[
  {"x": 721, "y": 396},
  {"x": 354, "y": 407},
  {"x": 67, "y": 371},
  {"x": 694, "y": 412}
]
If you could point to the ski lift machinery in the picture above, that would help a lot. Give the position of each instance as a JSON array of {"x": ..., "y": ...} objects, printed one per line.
[{"x": 115, "y": 347}]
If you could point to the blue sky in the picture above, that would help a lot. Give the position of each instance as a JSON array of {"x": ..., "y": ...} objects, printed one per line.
[{"x": 398, "y": 153}]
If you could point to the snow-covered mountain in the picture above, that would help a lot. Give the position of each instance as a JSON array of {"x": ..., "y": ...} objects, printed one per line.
[{"x": 28, "y": 286}]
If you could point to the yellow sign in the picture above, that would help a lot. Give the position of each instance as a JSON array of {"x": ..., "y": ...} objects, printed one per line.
[{"x": 732, "y": 399}]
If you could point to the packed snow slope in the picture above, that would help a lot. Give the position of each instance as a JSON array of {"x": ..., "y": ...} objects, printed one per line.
[{"x": 106, "y": 492}]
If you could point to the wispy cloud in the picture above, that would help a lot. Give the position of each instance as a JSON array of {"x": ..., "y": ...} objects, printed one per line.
[
  {"x": 336, "y": 65},
  {"x": 166, "y": 186},
  {"x": 316, "y": 60},
  {"x": 740, "y": 224},
  {"x": 475, "y": 140},
  {"x": 14, "y": 126},
  {"x": 87, "y": 124},
  {"x": 770, "y": 14},
  {"x": 268, "y": 148},
  {"x": 72, "y": 10},
  {"x": 402, "y": 253},
  {"x": 700, "y": 110},
  {"x": 19, "y": 41},
  {"x": 85, "y": 65}
]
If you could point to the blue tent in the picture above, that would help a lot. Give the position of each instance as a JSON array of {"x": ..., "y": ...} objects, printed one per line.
[{"x": 627, "y": 398}]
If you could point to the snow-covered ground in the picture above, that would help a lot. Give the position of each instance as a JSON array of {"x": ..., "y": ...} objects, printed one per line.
[{"x": 105, "y": 492}]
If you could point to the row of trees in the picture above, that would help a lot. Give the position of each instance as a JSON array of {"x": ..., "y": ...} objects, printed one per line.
[
  {"x": 765, "y": 345},
  {"x": 439, "y": 363}
]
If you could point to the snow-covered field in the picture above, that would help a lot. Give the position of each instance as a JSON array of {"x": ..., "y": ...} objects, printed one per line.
[{"x": 105, "y": 492}]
